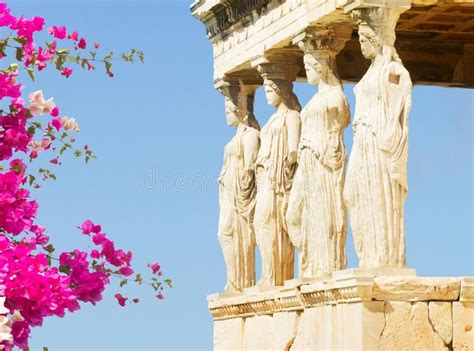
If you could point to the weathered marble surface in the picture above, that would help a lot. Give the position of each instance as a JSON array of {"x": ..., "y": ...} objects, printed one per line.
[
  {"x": 275, "y": 169},
  {"x": 376, "y": 182},
  {"x": 343, "y": 314},
  {"x": 316, "y": 213},
  {"x": 237, "y": 189}
]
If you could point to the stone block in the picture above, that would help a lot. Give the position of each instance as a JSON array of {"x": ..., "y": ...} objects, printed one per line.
[
  {"x": 441, "y": 318},
  {"x": 416, "y": 289},
  {"x": 463, "y": 324},
  {"x": 258, "y": 333},
  {"x": 285, "y": 327},
  {"x": 407, "y": 327},
  {"x": 228, "y": 334}
]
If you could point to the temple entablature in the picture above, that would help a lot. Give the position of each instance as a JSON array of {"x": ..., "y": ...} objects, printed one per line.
[{"x": 435, "y": 38}]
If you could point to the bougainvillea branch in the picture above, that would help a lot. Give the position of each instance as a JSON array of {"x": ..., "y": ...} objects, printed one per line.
[{"x": 35, "y": 281}]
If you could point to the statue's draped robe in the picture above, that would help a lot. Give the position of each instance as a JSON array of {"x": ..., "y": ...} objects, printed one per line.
[
  {"x": 237, "y": 193},
  {"x": 376, "y": 184},
  {"x": 274, "y": 180},
  {"x": 316, "y": 213}
]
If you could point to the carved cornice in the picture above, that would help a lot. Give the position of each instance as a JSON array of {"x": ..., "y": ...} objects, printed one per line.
[
  {"x": 228, "y": 12},
  {"x": 344, "y": 288}
]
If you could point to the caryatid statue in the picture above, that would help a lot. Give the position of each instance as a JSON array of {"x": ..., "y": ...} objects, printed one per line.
[
  {"x": 316, "y": 213},
  {"x": 276, "y": 165},
  {"x": 237, "y": 188},
  {"x": 376, "y": 183}
]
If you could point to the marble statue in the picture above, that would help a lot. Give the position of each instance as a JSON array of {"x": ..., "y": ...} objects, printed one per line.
[
  {"x": 237, "y": 189},
  {"x": 316, "y": 213},
  {"x": 376, "y": 184},
  {"x": 276, "y": 165}
]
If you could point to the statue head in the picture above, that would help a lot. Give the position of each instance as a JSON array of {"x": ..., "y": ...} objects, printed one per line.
[
  {"x": 377, "y": 31},
  {"x": 239, "y": 101},
  {"x": 321, "y": 46},
  {"x": 370, "y": 43},
  {"x": 280, "y": 91},
  {"x": 318, "y": 67}
]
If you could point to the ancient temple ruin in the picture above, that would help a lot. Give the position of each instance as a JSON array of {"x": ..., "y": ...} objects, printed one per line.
[{"x": 290, "y": 185}]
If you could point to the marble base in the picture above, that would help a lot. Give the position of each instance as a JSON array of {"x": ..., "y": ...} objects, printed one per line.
[{"x": 351, "y": 310}]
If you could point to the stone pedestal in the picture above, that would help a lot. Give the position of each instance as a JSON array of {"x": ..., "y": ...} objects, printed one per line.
[{"x": 352, "y": 310}]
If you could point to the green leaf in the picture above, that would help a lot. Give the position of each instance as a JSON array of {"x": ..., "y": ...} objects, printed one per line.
[
  {"x": 123, "y": 283},
  {"x": 31, "y": 180},
  {"x": 168, "y": 282},
  {"x": 49, "y": 249},
  {"x": 20, "y": 40},
  {"x": 138, "y": 278},
  {"x": 52, "y": 176},
  {"x": 19, "y": 54},
  {"x": 13, "y": 67},
  {"x": 141, "y": 56},
  {"x": 78, "y": 153},
  {"x": 45, "y": 348},
  {"x": 31, "y": 130},
  {"x": 62, "y": 51},
  {"x": 66, "y": 269},
  {"x": 108, "y": 65},
  {"x": 31, "y": 73}
]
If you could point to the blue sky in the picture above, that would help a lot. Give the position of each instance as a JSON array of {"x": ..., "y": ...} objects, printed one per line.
[{"x": 159, "y": 130}]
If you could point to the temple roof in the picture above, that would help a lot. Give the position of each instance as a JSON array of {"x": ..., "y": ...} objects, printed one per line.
[{"x": 435, "y": 38}]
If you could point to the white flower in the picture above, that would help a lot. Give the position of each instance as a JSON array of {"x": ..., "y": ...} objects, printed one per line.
[
  {"x": 38, "y": 105},
  {"x": 5, "y": 323},
  {"x": 69, "y": 123}
]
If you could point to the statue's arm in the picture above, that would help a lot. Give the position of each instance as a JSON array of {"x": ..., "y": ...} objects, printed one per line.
[
  {"x": 250, "y": 144},
  {"x": 398, "y": 103},
  {"x": 294, "y": 130},
  {"x": 337, "y": 110}
]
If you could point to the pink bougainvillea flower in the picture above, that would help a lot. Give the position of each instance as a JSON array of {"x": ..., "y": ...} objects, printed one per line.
[
  {"x": 54, "y": 161},
  {"x": 55, "y": 112},
  {"x": 38, "y": 105},
  {"x": 33, "y": 155},
  {"x": 73, "y": 36},
  {"x": 87, "y": 227},
  {"x": 136, "y": 300},
  {"x": 98, "y": 239},
  {"x": 95, "y": 254},
  {"x": 126, "y": 271},
  {"x": 82, "y": 43},
  {"x": 66, "y": 72},
  {"x": 160, "y": 296},
  {"x": 155, "y": 267},
  {"x": 90, "y": 66},
  {"x": 120, "y": 299},
  {"x": 56, "y": 122},
  {"x": 96, "y": 45},
  {"x": 110, "y": 74},
  {"x": 58, "y": 32}
]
